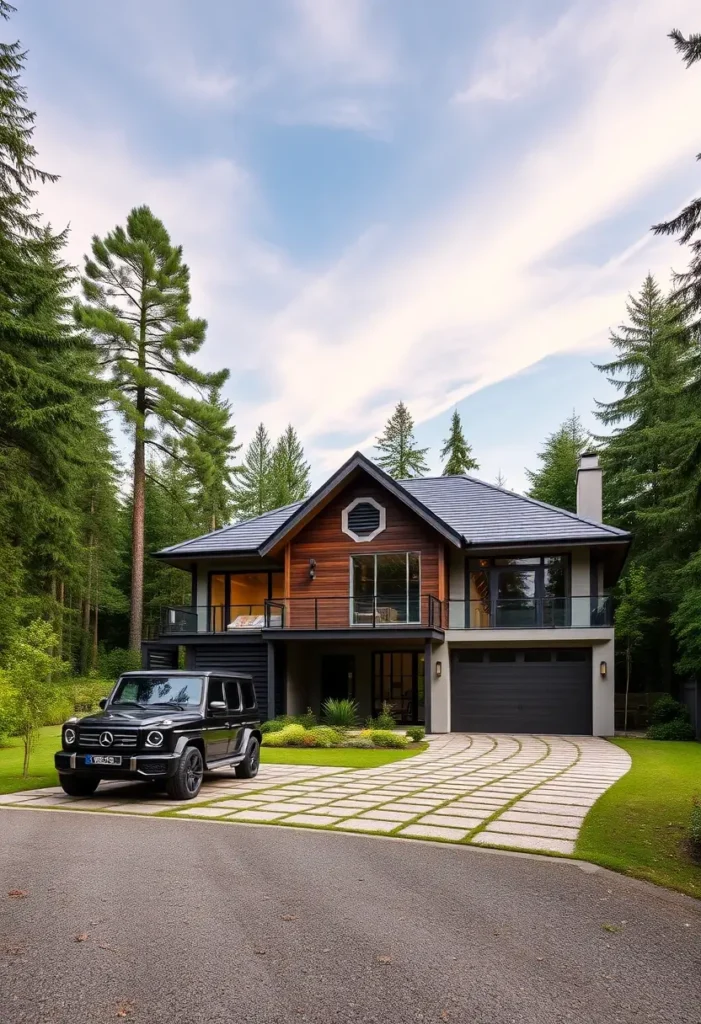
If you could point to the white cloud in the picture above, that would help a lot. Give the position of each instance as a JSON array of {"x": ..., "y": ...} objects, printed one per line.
[{"x": 474, "y": 293}]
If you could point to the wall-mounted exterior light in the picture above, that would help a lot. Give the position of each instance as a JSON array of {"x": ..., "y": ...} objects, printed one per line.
[
  {"x": 603, "y": 669},
  {"x": 312, "y": 568},
  {"x": 439, "y": 669}
]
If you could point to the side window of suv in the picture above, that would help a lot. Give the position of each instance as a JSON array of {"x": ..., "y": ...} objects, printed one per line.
[
  {"x": 248, "y": 693},
  {"x": 233, "y": 697},
  {"x": 216, "y": 690}
]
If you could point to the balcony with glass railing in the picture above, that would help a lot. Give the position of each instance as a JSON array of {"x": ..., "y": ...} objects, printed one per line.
[{"x": 529, "y": 613}]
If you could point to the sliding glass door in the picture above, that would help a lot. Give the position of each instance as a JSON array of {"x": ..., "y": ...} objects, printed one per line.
[{"x": 385, "y": 588}]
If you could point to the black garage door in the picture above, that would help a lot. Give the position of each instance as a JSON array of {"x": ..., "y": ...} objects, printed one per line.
[{"x": 533, "y": 690}]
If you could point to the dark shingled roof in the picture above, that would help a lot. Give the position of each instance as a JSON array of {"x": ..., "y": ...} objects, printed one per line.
[
  {"x": 486, "y": 514},
  {"x": 245, "y": 536},
  {"x": 482, "y": 514}
]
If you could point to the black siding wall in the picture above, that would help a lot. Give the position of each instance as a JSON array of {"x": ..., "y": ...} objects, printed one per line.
[
  {"x": 160, "y": 657},
  {"x": 249, "y": 658}
]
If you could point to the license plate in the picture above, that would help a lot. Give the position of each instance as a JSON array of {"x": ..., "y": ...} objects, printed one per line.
[{"x": 111, "y": 759}]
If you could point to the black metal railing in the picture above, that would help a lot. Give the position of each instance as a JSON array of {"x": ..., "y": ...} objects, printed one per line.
[
  {"x": 529, "y": 613},
  {"x": 375, "y": 612}
]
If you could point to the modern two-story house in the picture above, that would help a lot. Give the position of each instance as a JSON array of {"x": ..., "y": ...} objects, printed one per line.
[{"x": 463, "y": 605}]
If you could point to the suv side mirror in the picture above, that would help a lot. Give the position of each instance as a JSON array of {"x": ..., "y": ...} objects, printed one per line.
[
  {"x": 103, "y": 702},
  {"x": 217, "y": 705}
]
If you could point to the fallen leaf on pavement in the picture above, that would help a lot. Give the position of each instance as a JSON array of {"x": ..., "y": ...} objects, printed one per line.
[
  {"x": 260, "y": 952},
  {"x": 124, "y": 1009},
  {"x": 384, "y": 959},
  {"x": 82, "y": 937},
  {"x": 287, "y": 917},
  {"x": 17, "y": 894}
]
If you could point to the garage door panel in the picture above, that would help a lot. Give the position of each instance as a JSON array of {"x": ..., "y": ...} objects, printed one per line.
[{"x": 521, "y": 697}]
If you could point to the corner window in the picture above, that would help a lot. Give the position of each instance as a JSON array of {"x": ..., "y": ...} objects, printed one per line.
[{"x": 521, "y": 591}]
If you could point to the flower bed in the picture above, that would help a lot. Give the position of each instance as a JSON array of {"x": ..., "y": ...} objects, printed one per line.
[{"x": 293, "y": 734}]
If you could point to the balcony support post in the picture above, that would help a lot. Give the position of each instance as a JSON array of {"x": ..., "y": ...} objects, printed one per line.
[
  {"x": 428, "y": 678},
  {"x": 271, "y": 679}
]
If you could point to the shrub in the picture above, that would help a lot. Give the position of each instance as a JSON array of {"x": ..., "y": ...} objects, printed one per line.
[
  {"x": 387, "y": 738},
  {"x": 326, "y": 736},
  {"x": 272, "y": 725},
  {"x": 695, "y": 827},
  {"x": 667, "y": 709},
  {"x": 416, "y": 733},
  {"x": 112, "y": 663},
  {"x": 341, "y": 714},
  {"x": 677, "y": 729},
  {"x": 308, "y": 719},
  {"x": 310, "y": 740},
  {"x": 290, "y": 736},
  {"x": 361, "y": 742}
]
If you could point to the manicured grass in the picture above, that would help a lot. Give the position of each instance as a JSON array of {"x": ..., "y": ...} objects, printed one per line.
[
  {"x": 640, "y": 825},
  {"x": 42, "y": 772},
  {"x": 337, "y": 757},
  {"x": 41, "y": 766}
]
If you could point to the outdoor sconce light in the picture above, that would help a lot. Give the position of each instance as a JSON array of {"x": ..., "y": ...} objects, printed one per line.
[
  {"x": 312, "y": 568},
  {"x": 602, "y": 669},
  {"x": 439, "y": 669}
]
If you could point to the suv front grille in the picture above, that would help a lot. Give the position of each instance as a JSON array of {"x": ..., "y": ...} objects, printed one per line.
[{"x": 120, "y": 738}]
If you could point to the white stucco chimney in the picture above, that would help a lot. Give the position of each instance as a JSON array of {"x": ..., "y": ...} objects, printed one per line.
[{"x": 590, "y": 487}]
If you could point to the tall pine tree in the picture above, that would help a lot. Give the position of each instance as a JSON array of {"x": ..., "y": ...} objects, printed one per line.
[
  {"x": 555, "y": 481},
  {"x": 289, "y": 471},
  {"x": 457, "y": 450},
  {"x": 399, "y": 454},
  {"x": 208, "y": 454},
  {"x": 253, "y": 486},
  {"x": 687, "y": 224},
  {"x": 136, "y": 309}
]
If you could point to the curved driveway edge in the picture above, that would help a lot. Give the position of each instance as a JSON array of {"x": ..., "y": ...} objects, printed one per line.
[{"x": 513, "y": 791}]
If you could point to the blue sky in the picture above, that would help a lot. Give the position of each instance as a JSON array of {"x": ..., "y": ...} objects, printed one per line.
[{"x": 441, "y": 203}]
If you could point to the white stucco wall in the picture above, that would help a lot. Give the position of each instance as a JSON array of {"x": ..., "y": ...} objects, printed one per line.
[
  {"x": 440, "y": 689},
  {"x": 603, "y": 688}
]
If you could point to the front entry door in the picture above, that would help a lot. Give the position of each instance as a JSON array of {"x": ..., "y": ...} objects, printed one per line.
[
  {"x": 398, "y": 680},
  {"x": 337, "y": 676}
]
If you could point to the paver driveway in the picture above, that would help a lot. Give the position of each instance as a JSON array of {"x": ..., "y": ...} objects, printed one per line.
[{"x": 525, "y": 792}]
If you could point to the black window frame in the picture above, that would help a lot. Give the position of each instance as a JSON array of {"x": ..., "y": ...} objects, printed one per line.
[{"x": 488, "y": 564}]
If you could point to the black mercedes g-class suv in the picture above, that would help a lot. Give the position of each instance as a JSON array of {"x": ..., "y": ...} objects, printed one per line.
[{"x": 164, "y": 726}]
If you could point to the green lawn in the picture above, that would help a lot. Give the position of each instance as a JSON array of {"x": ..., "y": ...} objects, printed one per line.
[
  {"x": 639, "y": 826},
  {"x": 41, "y": 765},
  {"x": 343, "y": 757},
  {"x": 42, "y": 771}
]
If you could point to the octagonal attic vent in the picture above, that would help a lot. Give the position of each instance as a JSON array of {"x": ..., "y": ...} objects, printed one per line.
[{"x": 363, "y": 519}]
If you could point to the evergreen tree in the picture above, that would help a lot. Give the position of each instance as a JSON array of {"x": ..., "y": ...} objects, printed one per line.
[
  {"x": 631, "y": 621},
  {"x": 457, "y": 450},
  {"x": 399, "y": 454},
  {"x": 289, "y": 471},
  {"x": 137, "y": 296},
  {"x": 253, "y": 486},
  {"x": 687, "y": 224},
  {"x": 555, "y": 481},
  {"x": 500, "y": 479},
  {"x": 208, "y": 454},
  {"x": 642, "y": 458}
]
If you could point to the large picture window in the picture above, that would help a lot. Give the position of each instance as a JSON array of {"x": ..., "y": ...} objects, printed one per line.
[
  {"x": 520, "y": 591},
  {"x": 237, "y": 599},
  {"x": 385, "y": 588}
]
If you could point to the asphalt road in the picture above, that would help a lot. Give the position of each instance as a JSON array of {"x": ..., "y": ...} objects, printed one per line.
[{"x": 180, "y": 921}]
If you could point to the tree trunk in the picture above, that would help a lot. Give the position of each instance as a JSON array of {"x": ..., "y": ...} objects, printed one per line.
[
  {"x": 27, "y": 739},
  {"x": 96, "y": 607},
  {"x": 61, "y": 602},
  {"x": 137, "y": 543}
]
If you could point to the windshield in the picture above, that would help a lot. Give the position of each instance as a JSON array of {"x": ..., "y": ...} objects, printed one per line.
[{"x": 146, "y": 691}]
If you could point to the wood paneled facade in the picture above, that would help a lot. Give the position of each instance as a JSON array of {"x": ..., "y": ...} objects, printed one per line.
[{"x": 323, "y": 540}]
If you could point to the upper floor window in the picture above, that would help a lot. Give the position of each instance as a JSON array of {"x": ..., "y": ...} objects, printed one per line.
[
  {"x": 518, "y": 591},
  {"x": 386, "y": 588},
  {"x": 363, "y": 519}
]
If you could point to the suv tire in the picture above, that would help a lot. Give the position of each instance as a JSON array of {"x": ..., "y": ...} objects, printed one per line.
[
  {"x": 78, "y": 785},
  {"x": 248, "y": 768},
  {"x": 186, "y": 783}
]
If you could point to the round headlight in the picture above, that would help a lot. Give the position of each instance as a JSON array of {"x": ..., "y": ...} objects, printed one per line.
[
  {"x": 154, "y": 738},
  {"x": 69, "y": 737}
]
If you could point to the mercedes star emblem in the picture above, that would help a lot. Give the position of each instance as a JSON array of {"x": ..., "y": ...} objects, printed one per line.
[{"x": 106, "y": 739}]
